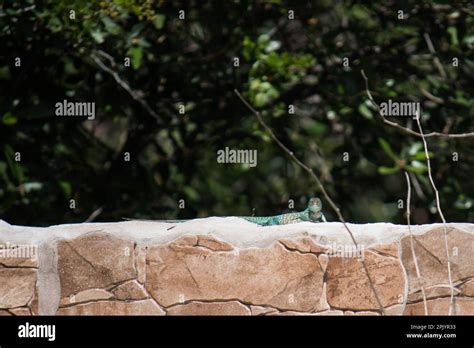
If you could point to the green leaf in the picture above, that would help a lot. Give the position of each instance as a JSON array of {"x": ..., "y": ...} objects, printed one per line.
[
  {"x": 137, "y": 55},
  {"x": 111, "y": 26},
  {"x": 66, "y": 188},
  {"x": 414, "y": 148},
  {"x": 3, "y": 168},
  {"x": 159, "y": 21},
  {"x": 272, "y": 46},
  {"x": 8, "y": 119},
  {"x": 263, "y": 39},
  {"x": 464, "y": 203},
  {"x": 453, "y": 32},
  {"x": 191, "y": 193},
  {"x": 365, "y": 111},
  {"x": 32, "y": 186},
  {"x": 420, "y": 156},
  {"x": 387, "y": 170},
  {"x": 261, "y": 99},
  {"x": 98, "y": 36},
  {"x": 345, "y": 110},
  {"x": 387, "y": 149},
  {"x": 417, "y": 167},
  {"x": 15, "y": 167},
  {"x": 55, "y": 25},
  {"x": 5, "y": 72}
]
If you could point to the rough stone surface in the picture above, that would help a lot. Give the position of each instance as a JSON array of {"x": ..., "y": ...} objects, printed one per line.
[
  {"x": 131, "y": 290},
  {"x": 259, "y": 310},
  {"x": 270, "y": 276},
  {"x": 227, "y": 266},
  {"x": 467, "y": 288},
  {"x": 86, "y": 296},
  {"x": 432, "y": 258},
  {"x": 17, "y": 287},
  {"x": 145, "y": 307},
  {"x": 440, "y": 306},
  {"x": 22, "y": 311},
  {"x": 212, "y": 308},
  {"x": 94, "y": 261},
  {"x": 348, "y": 286}
]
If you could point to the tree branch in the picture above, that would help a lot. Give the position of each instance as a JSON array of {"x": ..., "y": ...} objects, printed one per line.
[
  {"x": 440, "y": 212},
  {"x": 404, "y": 129},
  {"x": 136, "y": 95},
  {"x": 412, "y": 247}
]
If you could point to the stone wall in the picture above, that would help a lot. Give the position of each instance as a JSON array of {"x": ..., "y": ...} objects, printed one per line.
[{"x": 227, "y": 266}]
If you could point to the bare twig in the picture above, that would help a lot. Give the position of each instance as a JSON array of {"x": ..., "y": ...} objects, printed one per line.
[
  {"x": 430, "y": 96},
  {"x": 415, "y": 260},
  {"x": 417, "y": 186},
  {"x": 94, "y": 214},
  {"x": 404, "y": 129},
  {"x": 136, "y": 95},
  {"x": 440, "y": 212},
  {"x": 436, "y": 61},
  {"x": 321, "y": 187}
]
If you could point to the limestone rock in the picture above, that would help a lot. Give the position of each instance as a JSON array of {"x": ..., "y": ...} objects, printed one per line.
[
  {"x": 94, "y": 261},
  {"x": 86, "y": 296},
  {"x": 432, "y": 259},
  {"x": 270, "y": 276},
  {"x": 145, "y": 307},
  {"x": 348, "y": 286},
  {"x": 440, "y": 306},
  {"x": 209, "y": 308},
  {"x": 131, "y": 290},
  {"x": 17, "y": 286}
]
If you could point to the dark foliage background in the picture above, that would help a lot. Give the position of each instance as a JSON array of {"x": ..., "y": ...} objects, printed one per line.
[{"x": 190, "y": 62}]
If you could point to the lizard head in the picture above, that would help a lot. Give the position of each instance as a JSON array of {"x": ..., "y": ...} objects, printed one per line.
[{"x": 314, "y": 209}]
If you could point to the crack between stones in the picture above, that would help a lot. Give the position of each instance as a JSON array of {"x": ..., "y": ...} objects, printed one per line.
[
  {"x": 299, "y": 251},
  {"x": 197, "y": 245},
  {"x": 361, "y": 309},
  {"x": 81, "y": 256},
  {"x": 112, "y": 299},
  {"x": 447, "y": 296},
  {"x": 244, "y": 303},
  {"x": 305, "y": 253},
  {"x": 9, "y": 310},
  {"x": 429, "y": 298},
  {"x": 429, "y": 252},
  {"x": 381, "y": 253},
  {"x": 115, "y": 285},
  {"x": 135, "y": 268},
  {"x": 26, "y": 267},
  {"x": 189, "y": 271}
]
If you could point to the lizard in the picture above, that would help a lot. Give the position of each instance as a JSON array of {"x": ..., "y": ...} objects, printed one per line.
[{"x": 312, "y": 213}]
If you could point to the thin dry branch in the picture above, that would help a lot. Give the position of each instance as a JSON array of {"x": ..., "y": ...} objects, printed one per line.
[
  {"x": 436, "y": 61},
  {"x": 412, "y": 247},
  {"x": 440, "y": 212},
  {"x": 95, "y": 214},
  {"x": 404, "y": 129},
  {"x": 135, "y": 94},
  {"x": 322, "y": 189}
]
